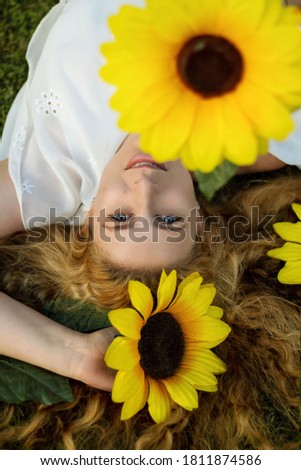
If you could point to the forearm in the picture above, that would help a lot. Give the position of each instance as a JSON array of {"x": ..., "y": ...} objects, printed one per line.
[
  {"x": 31, "y": 337},
  {"x": 263, "y": 163}
]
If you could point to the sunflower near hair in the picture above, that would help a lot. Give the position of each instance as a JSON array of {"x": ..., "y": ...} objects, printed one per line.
[
  {"x": 206, "y": 81},
  {"x": 164, "y": 354},
  {"x": 290, "y": 252}
]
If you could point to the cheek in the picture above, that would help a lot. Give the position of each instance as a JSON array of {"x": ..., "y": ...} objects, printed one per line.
[
  {"x": 110, "y": 186},
  {"x": 183, "y": 195},
  {"x": 111, "y": 197},
  {"x": 184, "y": 184}
]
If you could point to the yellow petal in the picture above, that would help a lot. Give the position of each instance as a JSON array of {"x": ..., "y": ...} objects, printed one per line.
[
  {"x": 204, "y": 149},
  {"x": 207, "y": 330},
  {"x": 202, "y": 359},
  {"x": 133, "y": 31},
  {"x": 127, "y": 321},
  {"x": 128, "y": 18},
  {"x": 188, "y": 289},
  {"x": 141, "y": 298},
  {"x": 181, "y": 392},
  {"x": 215, "y": 312},
  {"x": 136, "y": 402},
  {"x": 157, "y": 100},
  {"x": 142, "y": 73},
  {"x": 158, "y": 401},
  {"x": 207, "y": 387},
  {"x": 241, "y": 15},
  {"x": 268, "y": 115},
  {"x": 166, "y": 137},
  {"x": 288, "y": 231},
  {"x": 273, "y": 11},
  {"x": 288, "y": 252},
  {"x": 291, "y": 273},
  {"x": 198, "y": 379},
  {"x": 162, "y": 277},
  {"x": 122, "y": 354},
  {"x": 297, "y": 209},
  {"x": 205, "y": 18},
  {"x": 127, "y": 383},
  {"x": 187, "y": 281},
  {"x": 186, "y": 307},
  {"x": 241, "y": 146},
  {"x": 166, "y": 290},
  {"x": 285, "y": 84},
  {"x": 122, "y": 52},
  {"x": 191, "y": 306},
  {"x": 170, "y": 19},
  {"x": 205, "y": 296},
  {"x": 282, "y": 44}
]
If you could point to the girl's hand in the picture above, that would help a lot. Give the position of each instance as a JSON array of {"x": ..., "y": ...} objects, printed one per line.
[{"x": 89, "y": 367}]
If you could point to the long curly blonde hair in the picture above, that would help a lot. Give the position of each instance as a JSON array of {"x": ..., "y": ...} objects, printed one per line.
[{"x": 256, "y": 406}]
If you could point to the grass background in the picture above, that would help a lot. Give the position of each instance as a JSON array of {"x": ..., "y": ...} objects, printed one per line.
[{"x": 18, "y": 21}]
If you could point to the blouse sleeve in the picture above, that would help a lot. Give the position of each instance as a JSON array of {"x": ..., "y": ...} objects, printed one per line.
[
  {"x": 61, "y": 131},
  {"x": 289, "y": 151}
]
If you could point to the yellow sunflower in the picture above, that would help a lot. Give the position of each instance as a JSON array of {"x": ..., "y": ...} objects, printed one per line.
[
  {"x": 291, "y": 250},
  {"x": 205, "y": 81},
  {"x": 164, "y": 354}
]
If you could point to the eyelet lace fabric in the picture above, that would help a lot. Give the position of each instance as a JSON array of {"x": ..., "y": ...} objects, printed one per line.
[{"x": 49, "y": 103}]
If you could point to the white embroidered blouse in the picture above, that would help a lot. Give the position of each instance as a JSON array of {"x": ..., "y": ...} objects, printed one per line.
[{"x": 60, "y": 132}]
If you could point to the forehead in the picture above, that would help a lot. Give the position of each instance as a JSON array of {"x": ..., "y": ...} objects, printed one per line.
[{"x": 147, "y": 253}]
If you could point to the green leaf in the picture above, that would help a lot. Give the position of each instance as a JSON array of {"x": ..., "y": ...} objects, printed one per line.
[
  {"x": 210, "y": 183},
  {"x": 80, "y": 316},
  {"x": 21, "y": 382}
]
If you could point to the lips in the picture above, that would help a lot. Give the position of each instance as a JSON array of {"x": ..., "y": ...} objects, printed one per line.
[{"x": 142, "y": 160}]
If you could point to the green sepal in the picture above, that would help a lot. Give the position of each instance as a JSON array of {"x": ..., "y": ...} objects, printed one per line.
[
  {"x": 21, "y": 382},
  {"x": 210, "y": 183}
]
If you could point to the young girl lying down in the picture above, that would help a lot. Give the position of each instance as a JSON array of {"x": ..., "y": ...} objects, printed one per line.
[{"x": 64, "y": 161}]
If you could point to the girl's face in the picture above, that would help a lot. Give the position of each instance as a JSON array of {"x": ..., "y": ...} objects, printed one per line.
[{"x": 144, "y": 214}]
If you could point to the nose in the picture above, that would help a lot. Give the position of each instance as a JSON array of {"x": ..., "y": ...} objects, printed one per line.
[
  {"x": 144, "y": 189},
  {"x": 147, "y": 180}
]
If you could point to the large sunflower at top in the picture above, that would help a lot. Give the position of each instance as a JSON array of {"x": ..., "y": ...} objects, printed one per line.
[{"x": 205, "y": 81}]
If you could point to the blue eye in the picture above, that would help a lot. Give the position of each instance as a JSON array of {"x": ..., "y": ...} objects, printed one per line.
[
  {"x": 169, "y": 219},
  {"x": 120, "y": 217}
]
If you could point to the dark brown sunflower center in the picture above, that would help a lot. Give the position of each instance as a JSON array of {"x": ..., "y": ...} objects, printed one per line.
[
  {"x": 210, "y": 65},
  {"x": 161, "y": 346}
]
